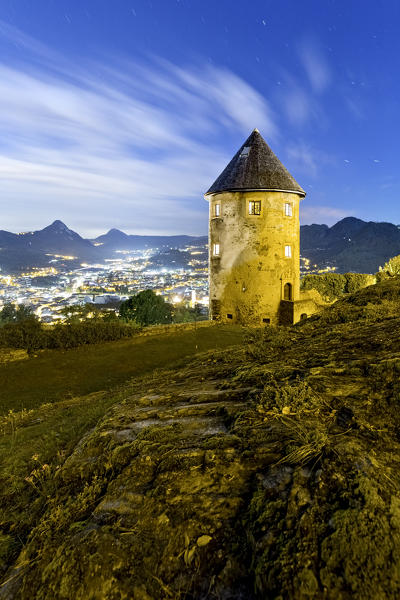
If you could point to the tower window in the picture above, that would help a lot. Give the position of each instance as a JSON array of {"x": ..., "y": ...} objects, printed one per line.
[
  {"x": 217, "y": 210},
  {"x": 245, "y": 152},
  {"x": 229, "y": 316},
  {"x": 254, "y": 207},
  {"x": 288, "y": 209},
  {"x": 288, "y": 251},
  {"x": 216, "y": 249}
]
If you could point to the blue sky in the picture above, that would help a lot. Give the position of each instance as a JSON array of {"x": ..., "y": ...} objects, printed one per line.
[{"x": 121, "y": 113}]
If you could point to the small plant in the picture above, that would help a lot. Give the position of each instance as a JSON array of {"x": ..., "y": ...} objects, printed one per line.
[
  {"x": 296, "y": 399},
  {"x": 10, "y": 422},
  {"x": 305, "y": 443},
  {"x": 40, "y": 476}
]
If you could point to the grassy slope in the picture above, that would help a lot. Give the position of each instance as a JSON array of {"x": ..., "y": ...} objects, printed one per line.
[
  {"x": 55, "y": 374},
  {"x": 269, "y": 471},
  {"x": 58, "y": 396}
]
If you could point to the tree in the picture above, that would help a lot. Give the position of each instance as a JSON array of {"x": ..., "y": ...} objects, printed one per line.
[
  {"x": 146, "y": 308},
  {"x": 16, "y": 313},
  {"x": 77, "y": 313},
  {"x": 187, "y": 314},
  {"x": 20, "y": 328}
]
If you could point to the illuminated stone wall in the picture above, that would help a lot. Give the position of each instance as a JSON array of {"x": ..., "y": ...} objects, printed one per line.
[{"x": 248, "y": 276}]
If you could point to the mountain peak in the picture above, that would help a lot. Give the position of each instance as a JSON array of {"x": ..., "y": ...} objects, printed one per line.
[
  {"x": 115, "y": 231},
  {"x": 113, "y": 235},
  {"x": 348, "y": 226},
  {"x": 57, "y": 224},
  {"x": 59, "y": 229},
  {"x": 349, "y": 220}
]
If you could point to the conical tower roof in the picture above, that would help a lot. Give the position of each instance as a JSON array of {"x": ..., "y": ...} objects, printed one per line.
[{"x": 255, "y": 167}]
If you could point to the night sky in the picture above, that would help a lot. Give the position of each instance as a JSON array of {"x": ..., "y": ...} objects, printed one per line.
[{"x": 117, "y": 113}]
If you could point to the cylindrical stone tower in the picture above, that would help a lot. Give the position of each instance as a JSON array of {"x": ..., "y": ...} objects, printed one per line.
[{"x": 254, "y": 238}]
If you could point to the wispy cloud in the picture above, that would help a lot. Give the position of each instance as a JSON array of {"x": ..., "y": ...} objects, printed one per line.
[
  {"x": 126, "y": 144},
  {"x": 303, "y": 158},
  {"x": 301, "y": 96},
  {"x": 299, "y": 103},
  {"x": 315, "y": 66},
  {"x": 307, "y": 159}
]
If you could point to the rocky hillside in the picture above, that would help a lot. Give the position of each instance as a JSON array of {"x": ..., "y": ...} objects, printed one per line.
[{"x": 270, "y": 471}]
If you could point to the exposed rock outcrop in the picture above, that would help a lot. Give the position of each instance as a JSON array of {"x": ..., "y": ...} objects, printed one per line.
[{"x": 271, "y": 471}]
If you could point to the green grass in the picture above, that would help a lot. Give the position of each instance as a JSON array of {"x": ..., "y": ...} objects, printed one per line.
[
  {"x": 47, "y": 431},
  {"x": 30, "y": 443},
  {"x": 57, "y": 396},
  {"x": 54, "y": 375}
]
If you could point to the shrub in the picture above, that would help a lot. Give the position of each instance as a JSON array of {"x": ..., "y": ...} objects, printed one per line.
[
  {"x": 357, "y": 281},
  {"x": 334, "y": 285},
  {"x": 28, "y": 335},
  {"x": 31, "y": 335},
  {"x": 88, "y": 332},
  {"x": 329, "y": 285},
  {"x": 187, "y": 314}
]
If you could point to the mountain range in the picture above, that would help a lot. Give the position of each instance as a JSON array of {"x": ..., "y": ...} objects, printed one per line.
[
  {"x": 349, "y": 245},
  {"x": 22, "y": 251}
]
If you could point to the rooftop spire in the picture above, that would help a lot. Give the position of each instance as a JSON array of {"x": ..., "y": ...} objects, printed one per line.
[{"x": 255, "y": 167}]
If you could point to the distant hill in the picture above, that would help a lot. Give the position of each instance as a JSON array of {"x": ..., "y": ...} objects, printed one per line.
[
  {"x": 174, "y": 258},
  {"x": 350, "y": 245},
  {"x": 57, "y": 238},
  {"x": 23, "y": 251},
  {"x": 118, "y": 240},
  {"x": 37, "y": 248}
]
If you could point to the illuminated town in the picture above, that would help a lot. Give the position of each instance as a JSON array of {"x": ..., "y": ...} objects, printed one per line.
[
  {"x": 181, "y": 276},
  {"x": 49, "y": 290}
]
